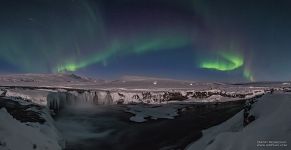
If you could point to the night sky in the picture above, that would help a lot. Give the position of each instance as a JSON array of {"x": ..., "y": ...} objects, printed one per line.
[{"x": 215, "y": 40}]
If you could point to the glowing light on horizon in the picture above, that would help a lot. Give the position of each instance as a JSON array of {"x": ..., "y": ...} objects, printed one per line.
[{"x": 248, "y": 74}]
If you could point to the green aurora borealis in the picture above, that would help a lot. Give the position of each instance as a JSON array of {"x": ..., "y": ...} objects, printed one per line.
[
  {"x": 225, "y": 62},
  {"x": 137, "y": 46},
  {"x": 199, "y": 40}
]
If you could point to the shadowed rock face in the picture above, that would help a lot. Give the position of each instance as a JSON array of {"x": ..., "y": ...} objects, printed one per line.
[
  {"x": 23, "y": 113},
  {"x": 58, "y": 100},
  {"x": 168, "y": 96},
  {"x": 2, "y": 93}
]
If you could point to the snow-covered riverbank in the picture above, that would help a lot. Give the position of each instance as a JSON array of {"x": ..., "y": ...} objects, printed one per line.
[
  {"x": 270, "y": 130},
  {"x": 26, "y": 127}
]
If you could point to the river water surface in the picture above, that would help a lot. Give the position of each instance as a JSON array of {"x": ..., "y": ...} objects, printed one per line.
[{"x": 109, "y": 128}]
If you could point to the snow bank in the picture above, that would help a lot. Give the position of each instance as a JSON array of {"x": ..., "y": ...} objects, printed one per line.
[
  {"x": 214, "y": 98},
  {"x": 15, "y": 135},
  {"x": 286, "y": 83},
  {"x": 272, "y": 126},
  {"x": 37, "y": 96}
]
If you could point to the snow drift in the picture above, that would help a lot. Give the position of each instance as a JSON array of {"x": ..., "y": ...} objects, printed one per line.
[
  {"x": 270, "y": 130},
  {"x": 15, "y": 135}
]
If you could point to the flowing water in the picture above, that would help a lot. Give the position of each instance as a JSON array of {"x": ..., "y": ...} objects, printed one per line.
[{"x": 108, "y": 127}]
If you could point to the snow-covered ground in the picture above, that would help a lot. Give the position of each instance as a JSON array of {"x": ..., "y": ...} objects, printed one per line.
[
  {"x": 270, "y": 130},
  {"x": 44, "y": 88},
  {"x": 24, "y": 135},
  {"x": 55, "y": 91},
  {"x": 169, "y": 110},
  {"x": 127, "y": 82},
  {"x": 36, "y": 96}
]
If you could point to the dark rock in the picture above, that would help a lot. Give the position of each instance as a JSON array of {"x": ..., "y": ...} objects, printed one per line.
[
  {"x": 22, "y": 112},
  {"x": 4, "y": 93},
  {"x": 135, "y": 97},
  {"x": 146, "y": 95},
  {"x": 168, "y": 96},
  {"x": 120, "y": 101},
  {"x": 121, "y": 95}
]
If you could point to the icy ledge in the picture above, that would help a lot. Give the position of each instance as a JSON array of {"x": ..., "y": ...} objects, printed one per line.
[{"x": 273, "y": 123}]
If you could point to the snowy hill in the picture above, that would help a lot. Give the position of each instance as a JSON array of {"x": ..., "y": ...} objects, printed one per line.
[
  {"x": 126, "y": 82},
  {"x": 270, "y": 130},
  {"x": 43, "y": 80}
]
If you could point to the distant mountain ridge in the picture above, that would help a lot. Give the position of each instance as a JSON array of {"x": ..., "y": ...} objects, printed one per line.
[{"x": 130, "y": 82}]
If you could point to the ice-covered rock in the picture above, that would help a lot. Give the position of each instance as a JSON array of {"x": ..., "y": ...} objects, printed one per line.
[
  {"x": 59, "y": 98},
  {"x": 37, "y": 96}
]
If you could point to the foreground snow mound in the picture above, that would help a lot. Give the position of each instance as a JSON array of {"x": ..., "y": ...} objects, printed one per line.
[
  {"x": 270, "y": 130},
  {"x": 15, "y": 135}
]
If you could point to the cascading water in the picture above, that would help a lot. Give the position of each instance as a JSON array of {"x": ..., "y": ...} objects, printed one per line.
[{"x": 58, "y": 100}]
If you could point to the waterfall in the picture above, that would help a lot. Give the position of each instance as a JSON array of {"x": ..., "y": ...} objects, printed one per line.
[{"x": 58, "y": 100}]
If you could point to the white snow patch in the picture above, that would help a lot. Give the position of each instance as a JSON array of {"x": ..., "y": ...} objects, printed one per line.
[
  {"x": 215, "y": 98},
  {"x": 35, "y": 96}
]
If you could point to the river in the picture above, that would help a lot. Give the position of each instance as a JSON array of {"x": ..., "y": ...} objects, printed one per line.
[{"x": 108, "y": 127}]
